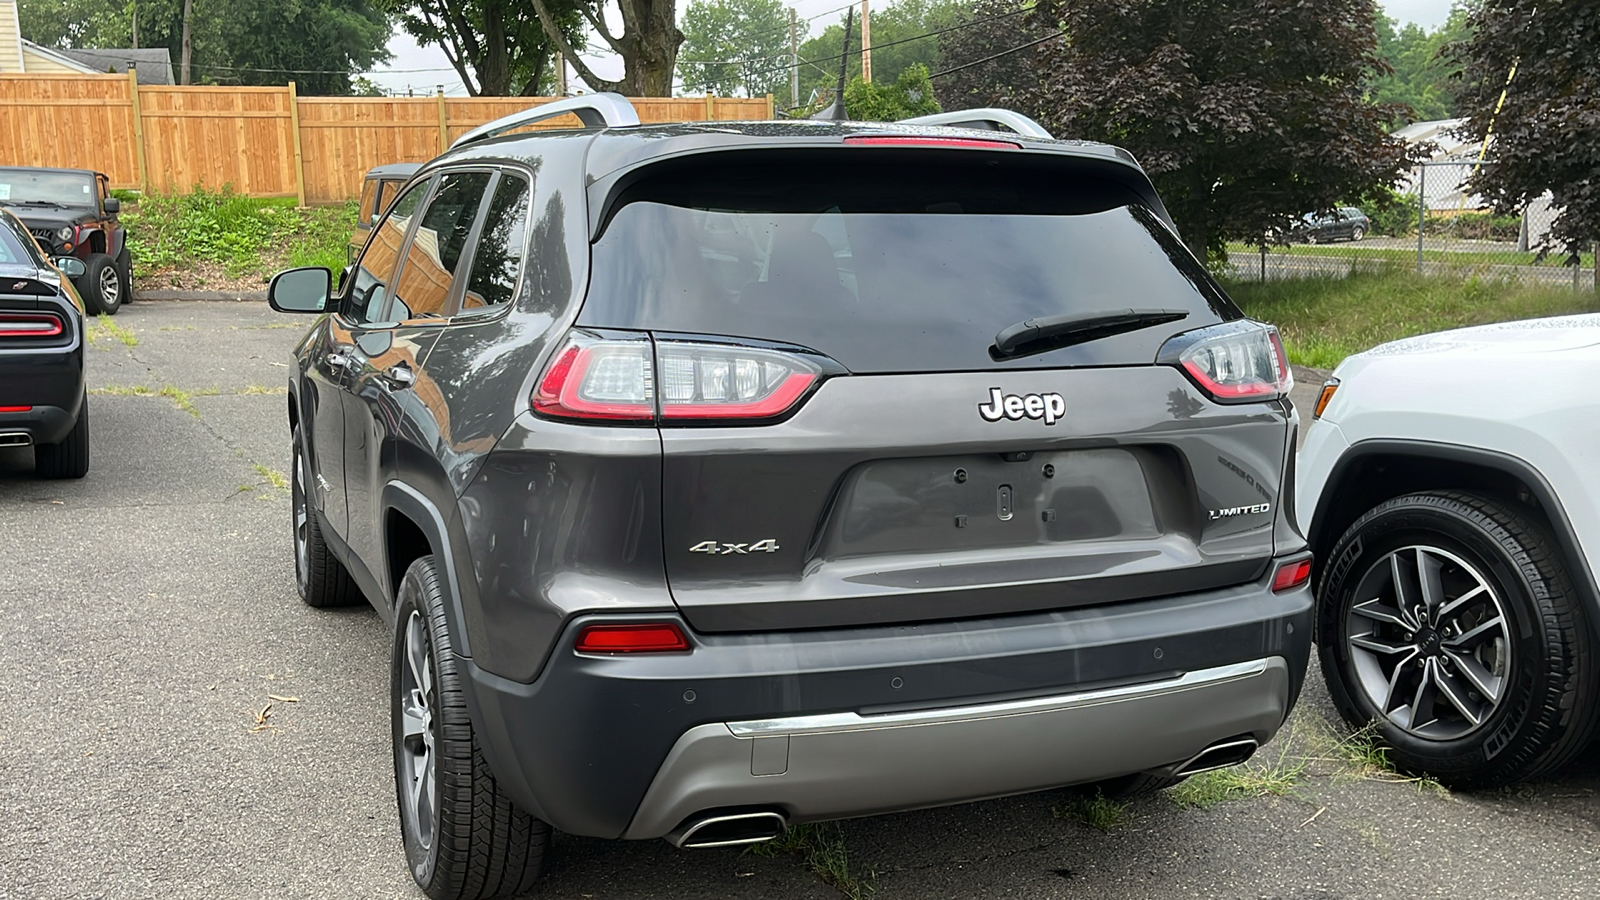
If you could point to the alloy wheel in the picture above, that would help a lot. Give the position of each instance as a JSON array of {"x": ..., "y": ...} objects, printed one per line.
[
  {"x": 110, "y": 287},
  {"x": 1429, "y": 640},
  {"x": 418, "y": 733},
  {"x": 302, "y": 522}
]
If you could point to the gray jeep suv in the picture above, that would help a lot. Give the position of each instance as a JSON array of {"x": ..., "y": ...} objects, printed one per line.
[{"x": 718, "y": 477}]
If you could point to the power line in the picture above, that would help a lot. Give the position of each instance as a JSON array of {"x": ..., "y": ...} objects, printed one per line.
[
  {"x": 906, "y": 40},
  {"x": 996, "y": 56}
]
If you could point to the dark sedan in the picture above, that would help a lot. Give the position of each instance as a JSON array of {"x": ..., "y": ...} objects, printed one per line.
[{"x": 42, "y": 398}]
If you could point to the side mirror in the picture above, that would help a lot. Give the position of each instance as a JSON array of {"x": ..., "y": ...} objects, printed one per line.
[
  {"x": 112, "y": 206},
  {"x": 71, "y": 267},
  {"x": 300, "y": 290}
]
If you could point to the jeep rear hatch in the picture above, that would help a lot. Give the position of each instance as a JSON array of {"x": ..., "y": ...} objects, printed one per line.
[{"x": 898, "y": 384}]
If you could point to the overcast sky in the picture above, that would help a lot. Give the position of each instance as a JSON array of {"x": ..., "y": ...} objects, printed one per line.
[{"x": 423, "y": 68}]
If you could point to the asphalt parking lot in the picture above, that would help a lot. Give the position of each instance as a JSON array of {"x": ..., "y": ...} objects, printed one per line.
[{"x": 179, "y": 725}]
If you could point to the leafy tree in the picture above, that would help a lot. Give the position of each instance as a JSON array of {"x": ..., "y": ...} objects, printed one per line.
[
  {"x": 648, "y": 43},
  {"x": 985, "y": 67},
  {"x": 499, "y": 48},
  {"x": 1547, "y": 133},
  {"x": 897, "y": 44},
  {"x": 1421, "y": 78},
  {"x": 1243, "y": 112},
  {"x": 755, "y": 33},
  {"x": 909, "y": 95},
  {"x": 252, "y": 43}
]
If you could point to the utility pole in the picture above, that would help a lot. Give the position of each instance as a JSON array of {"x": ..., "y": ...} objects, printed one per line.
[
  {"x": 794, "y": 60},
  {"x": 135, "y": 25},
  {"x": 866, "y": 43},
  {"x": 183, "y": 67}
]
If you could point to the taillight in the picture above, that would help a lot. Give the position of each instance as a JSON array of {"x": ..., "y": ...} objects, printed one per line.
[
  {"x": 1291, "y": 575},
  {"x": 1236, "y": 362},
  {"x": 39, "y": 325},
  {"x": 610, "y": 379},
  {"x": 4, "y": 409},
  {"x": 632, "y": 637},
  {"x": 910, "y": 141},
  {"x": 713, "y": 381},
  {"x": 599, "y": 378}
]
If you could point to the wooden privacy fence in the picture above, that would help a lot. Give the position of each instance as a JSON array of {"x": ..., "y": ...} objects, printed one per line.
[{"x": 263, "y": 141}]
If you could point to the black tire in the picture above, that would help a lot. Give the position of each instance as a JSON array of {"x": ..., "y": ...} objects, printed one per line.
[
  {"x": 1128, "y": 787},
  {"x": 1357, "y": 233},
  {"x": 70, "y": 458},
  {"x": 101, "y": 285},
  {"x": 475, "y": 843},
  {"x": 1530, "y": 681},
  {"x": 125, "y": 269},
  {"x": 320, "y": 577}
]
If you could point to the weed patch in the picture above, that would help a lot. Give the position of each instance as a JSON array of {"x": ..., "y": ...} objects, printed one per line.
[
  {"x": 103, "y": 328},
  {"x": 1361, "y": 754},
  {"x": 272, "y": 476},
  {"x": 822, "y": 848},
  {"x": 1255, "y": 778},
  {"x": 1097, "y": 812},
  {"x": 1325, "y": 319},
  {"x": 245, "y": 235}
]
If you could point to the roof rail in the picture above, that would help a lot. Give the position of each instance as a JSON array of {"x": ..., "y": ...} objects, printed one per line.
[
  {"x": 606, "y": 110},
  {"x": 988, "y": 119}
]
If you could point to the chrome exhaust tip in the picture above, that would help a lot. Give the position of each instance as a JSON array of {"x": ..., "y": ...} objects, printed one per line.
[
  {"x": 727, "y": 829},
  {"x": 1220, "y": 755},
  {"x": 15, "y": 439}
]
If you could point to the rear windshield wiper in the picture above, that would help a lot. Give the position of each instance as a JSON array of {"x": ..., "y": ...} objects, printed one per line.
[{"x": 1047, "y": 333}]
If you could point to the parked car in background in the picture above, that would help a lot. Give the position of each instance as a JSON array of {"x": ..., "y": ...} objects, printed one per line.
[
  {"x": 378, "y": 190},
  {"x": 702, "y": 502},
  {"x": 1450, "y": 488},
  {"x": 71, "y": 212},
  {"x": 42, "y": 399},
  {"x": 1344, "y": 224}
]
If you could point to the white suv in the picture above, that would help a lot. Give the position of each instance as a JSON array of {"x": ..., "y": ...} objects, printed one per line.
[{"x": 1449, "y": 488}]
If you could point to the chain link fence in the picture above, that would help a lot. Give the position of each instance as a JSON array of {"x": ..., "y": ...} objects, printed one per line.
[{"x": 1440, "y": 228}]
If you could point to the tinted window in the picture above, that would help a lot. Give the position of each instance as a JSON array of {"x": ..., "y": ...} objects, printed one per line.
[
  {"x": 370, "y": 284},
  {"x": 12, "y": 248},
  {"x": 435, "y": 250},
  {"x": 498, "y": 260},
  {"x": 386, "y": 192},
  {"x": 894, "y": 269}
]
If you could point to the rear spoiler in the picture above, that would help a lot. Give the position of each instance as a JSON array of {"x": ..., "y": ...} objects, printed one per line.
[{"x": 988, "y": 119}]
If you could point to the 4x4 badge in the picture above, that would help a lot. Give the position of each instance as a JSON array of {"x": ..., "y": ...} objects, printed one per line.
[
  {"x": 725, "y": 549},
  {"x": 1049, "y": 407}
]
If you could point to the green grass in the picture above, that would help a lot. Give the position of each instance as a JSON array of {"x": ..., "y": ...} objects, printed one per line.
[
  {"x": 1259, "y": 777},
  {"x": 246, "y": 235},
  {"x": 1097, "y": 812},
  {"x": 1325, "y": 319},
  {"x": 1356, "y": 250},
  {"x": 823, "y": 850}
]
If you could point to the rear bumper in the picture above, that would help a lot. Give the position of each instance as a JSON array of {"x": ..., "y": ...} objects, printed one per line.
[
  {"x": 49, "y": 383},
  {"x": 861, "y": 721},
  {"x": 829, "y": 766}
]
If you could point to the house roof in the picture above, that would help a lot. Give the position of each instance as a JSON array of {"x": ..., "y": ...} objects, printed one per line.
[
  {"x": 154, "y": 65},
  {"x": 1442, "y": 133}
]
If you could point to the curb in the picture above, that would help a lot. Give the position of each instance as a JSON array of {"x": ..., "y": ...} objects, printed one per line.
[
  {"x": 1302, "y": 374},
  {"x": 233, "y": 296}
]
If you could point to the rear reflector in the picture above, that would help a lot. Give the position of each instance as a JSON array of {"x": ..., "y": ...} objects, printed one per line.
[
  {"x": 1291, "y": 575},
  {"x": 6, "y": 409},
  {"x": 908, "y": 141},
  {"x": 632, "y": 637},
  {"x": 40, "y": 325}
]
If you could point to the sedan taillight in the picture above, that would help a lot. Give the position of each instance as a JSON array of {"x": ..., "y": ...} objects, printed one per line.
[
  {"x": 634, "y": 380},
  {"x": 25, "y": 325}
]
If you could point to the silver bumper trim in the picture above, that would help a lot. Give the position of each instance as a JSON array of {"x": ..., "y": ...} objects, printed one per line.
[
  {"x": 829, "y": 723},
  {"x": 811, "y": 768}
]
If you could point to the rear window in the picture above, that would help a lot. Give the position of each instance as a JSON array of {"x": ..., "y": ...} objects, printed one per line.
[{"x": 892, "y": 268}]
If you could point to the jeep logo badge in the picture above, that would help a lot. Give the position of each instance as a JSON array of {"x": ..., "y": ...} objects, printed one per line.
[{"x": 1049, "y": 407}]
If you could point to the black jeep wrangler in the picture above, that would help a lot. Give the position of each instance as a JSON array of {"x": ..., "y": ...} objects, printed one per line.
[{"x": 71, "y": 212}]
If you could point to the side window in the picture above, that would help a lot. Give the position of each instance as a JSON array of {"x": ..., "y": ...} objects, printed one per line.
[
  {"x": 370, "y": 283},
  {"x": 498, "y": 260},
  {"x": 386, "y": 191},
  {"x": 366, "y": 212},
  {"x": 431, "y": 260}
]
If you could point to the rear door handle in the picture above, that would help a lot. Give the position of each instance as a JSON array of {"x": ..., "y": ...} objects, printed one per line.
[
  {"x": 399, "y": 376},
  {"x": 339, "y": 359}
]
